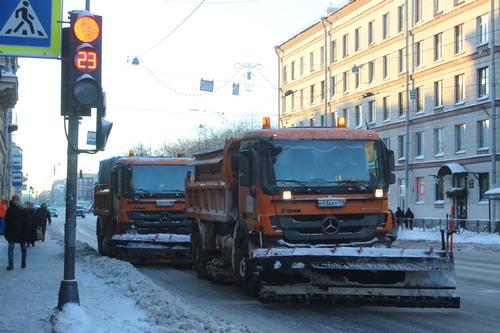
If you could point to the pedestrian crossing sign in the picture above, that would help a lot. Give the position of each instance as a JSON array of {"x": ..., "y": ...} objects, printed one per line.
[{"x": 30, "y": 28}]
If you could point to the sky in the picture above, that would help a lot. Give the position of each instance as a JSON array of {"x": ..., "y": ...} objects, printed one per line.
[{"x": 159, "y": 100}]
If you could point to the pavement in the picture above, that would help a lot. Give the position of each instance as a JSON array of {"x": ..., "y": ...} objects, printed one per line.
[{"x": 28, "y": 297}]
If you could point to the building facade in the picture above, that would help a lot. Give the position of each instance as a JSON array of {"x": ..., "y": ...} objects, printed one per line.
[
  {"x": 8, "y": 99},
  {"x": 424, "y": 84}
]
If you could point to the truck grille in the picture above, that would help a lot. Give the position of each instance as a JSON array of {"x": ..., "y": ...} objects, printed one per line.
[
  {"x": 160, "y": 222},
  {"x": 315, "y": 229}
]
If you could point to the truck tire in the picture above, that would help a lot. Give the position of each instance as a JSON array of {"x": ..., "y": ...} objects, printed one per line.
[
  {"x": 247, "y": 280},
  {"x": 103, "y": 245},
  {"x": 199, "y": 255},
  {"x": 100, "y": 237}
]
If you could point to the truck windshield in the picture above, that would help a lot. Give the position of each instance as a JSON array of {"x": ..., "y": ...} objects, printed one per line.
[
  {"x": 326, "y": 163},
  {"x": 149, "y": 180}
]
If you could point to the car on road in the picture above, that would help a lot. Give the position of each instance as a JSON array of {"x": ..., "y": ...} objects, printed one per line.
[
  {"x": 80, "y": 211},
  {"x": 53, "y": 212}
]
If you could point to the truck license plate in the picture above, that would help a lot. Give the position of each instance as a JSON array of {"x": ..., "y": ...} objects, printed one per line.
[{"x": 331, "y": 202}]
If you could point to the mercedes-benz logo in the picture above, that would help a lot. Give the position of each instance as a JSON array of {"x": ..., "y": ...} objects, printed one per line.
[
  {"x": 329, "y": 225},
  {"x": 164, "y": 217}
]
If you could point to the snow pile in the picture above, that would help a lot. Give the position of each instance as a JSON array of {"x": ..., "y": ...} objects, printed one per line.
[
  {"x": 118, "y": 298},
  {"x": 463, "y": 237}
]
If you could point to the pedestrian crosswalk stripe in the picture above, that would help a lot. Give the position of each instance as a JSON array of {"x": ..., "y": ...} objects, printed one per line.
[{"x": 23, "y": 22}]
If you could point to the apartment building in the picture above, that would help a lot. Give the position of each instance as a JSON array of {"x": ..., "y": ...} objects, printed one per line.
[{"x": 432, "y": 96}]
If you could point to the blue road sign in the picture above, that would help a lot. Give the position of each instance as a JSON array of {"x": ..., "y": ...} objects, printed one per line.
[{"x": 30, "y": 28}]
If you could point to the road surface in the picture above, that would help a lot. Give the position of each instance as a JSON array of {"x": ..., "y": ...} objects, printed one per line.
[{"x": 478, "y": 280}]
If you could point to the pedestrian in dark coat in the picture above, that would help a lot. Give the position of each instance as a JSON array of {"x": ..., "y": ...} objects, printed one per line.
[
  {"x": 409, "y": 219},
  {"x": 16, "y": 231},
  {"x": 42, "y": 215},
  {"x": 29, "y": 215},
  {"x": 399, "y": 216}
]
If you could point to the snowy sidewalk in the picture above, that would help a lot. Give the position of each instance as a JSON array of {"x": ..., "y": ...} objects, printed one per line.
[
  {"x": 114, "y": 296},
  {"x": 465, "y": 237}
]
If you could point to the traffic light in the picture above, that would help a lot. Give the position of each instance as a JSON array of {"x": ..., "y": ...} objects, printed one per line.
[
  {"x": 82, "y": 63},
  {"x": 103, "y": 127}
]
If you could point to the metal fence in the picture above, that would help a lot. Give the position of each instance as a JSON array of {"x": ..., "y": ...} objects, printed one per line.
[{"x": 436, "y": 224}]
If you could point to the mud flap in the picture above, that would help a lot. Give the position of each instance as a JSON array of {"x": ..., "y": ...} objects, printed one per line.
[
  {"x": 153, "y": 248},
  {"x": 364, "y": 276}
]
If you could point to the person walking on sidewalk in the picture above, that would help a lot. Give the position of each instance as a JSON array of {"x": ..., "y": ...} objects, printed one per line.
[
  {"x": 409, "y": 219},
  {"x": 399, "y": 216},
  {"x": 42, "y": 215},
  {"x": 16, "y": 231},
  {"x": 29, "y": 215},
  {"x": 3, "y": 211}
]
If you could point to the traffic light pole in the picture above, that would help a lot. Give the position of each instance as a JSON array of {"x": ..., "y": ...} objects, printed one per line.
[{"x": 68, "y": 291}]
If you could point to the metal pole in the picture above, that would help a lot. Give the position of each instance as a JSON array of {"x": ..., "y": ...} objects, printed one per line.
[
  {"x": 325, "y": 89},
  {"x": 277, "y": 48},
  {"x": 493, "y": 107},
  {"x": 87, "y": 5},
  {"x": 68, "y": 292},
  {"x": 407, "y": 111}
]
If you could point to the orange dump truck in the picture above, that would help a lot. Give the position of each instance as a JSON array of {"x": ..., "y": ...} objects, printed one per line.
[
  {"x": 302, "y": 213},
  {"x": 140, "y": 207}
]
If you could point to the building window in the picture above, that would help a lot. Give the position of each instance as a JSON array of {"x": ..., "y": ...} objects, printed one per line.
[
  {"x": 370, "y": 32},
  {"x": 438, "y": 94},
  {"x": 438, "y": 46},
  {"x": 322, "y": 56},
  {"x": 357, "y": 115},
  {"x": 401, "y": 60},
  {"x": 371, "y": 72},
  {"x": 345, "y": 81},
  {"x": 401, "y": 104},
  {"x": 385, "y": 65},
  {"x": 459, "y": 38},
  {"x": 420, "y": 190},
  {"x": 438, "y": 6},
  {"x": 311, "y": 94},
  {"x": 333, "y": 85},
  {"x": 301, "y": 100},
  {"x": 334, "y": 118},
  {"x": 420, "y": 99},
  {"x": 439, "y": 141},
  {"x": 292, "y": 66},
  {"x": 385, "y": 26},
  {"x": 386, "y": 108},
  {"x": 357, "y": 78},
  {"x": 292, "y": 98},
  {"x": 301, "y": 123},
  {"x": 459, "y": 138},
  {"x": 285, "y": 72},
  {"x": 482, "y": 29},
  {"x": 322, "y": 119},
  {"x": 333, "y": 51},
  {"x": 419, "y": 53},
  {"x": 372, "y": 112},
  {"x": 401, "y": 147},
  {"x": 401, "y": 18},
  {"x": 284, "y": 105},
  {"x": 357, "y": 37},
  {"x": 387, "y": 142},
  {"x": 301, "y": 66},
  {"x": 482, "y": 82},
  {"x": 459, "y": 88},
  {"x": 419, "y": 149},
  {"x": 439, "y": 189},
  {"x": 323, "y": 90},
  {"x": 418, "y": 11},
  {"x": 345, "y": 45},
  {"x": 311, "y": 122},
  {"x": 484, "y": 185},
  {"x": 345, "y": 114},
  {"x": 483, "y": 132},
  {"x": 311, "y": 61}
]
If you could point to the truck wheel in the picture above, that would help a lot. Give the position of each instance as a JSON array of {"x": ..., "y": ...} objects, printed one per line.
[
  {"x": 100, "y": 237},
  {"x": 199, "y": 256},
  {"x": 248, "y": 282},
  {"x": 103, "y": 243}
]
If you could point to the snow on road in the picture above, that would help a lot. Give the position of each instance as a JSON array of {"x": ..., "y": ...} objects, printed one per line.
[
  {"x": 462, "y": 237},
  {"x": 116, "y": 297}
]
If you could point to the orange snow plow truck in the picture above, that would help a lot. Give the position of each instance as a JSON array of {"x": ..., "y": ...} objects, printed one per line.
[
  {"x": 140, "y": 207},
  {"x": 302, "y": 214}
]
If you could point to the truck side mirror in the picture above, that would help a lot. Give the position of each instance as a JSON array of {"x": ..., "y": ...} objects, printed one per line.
[
  {"x": 114, "y": 181},
  {"x": 390, "y": 160},
  {"x": 234, "y": 164},
  {"x": 392, "y": 178},
  {"x": 245, "y": 167}
]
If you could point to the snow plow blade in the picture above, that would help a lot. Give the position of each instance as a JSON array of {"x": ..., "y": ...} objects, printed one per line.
[
  {"x": 153, "y": 248},
  {"x": 361, "y": 276}
]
